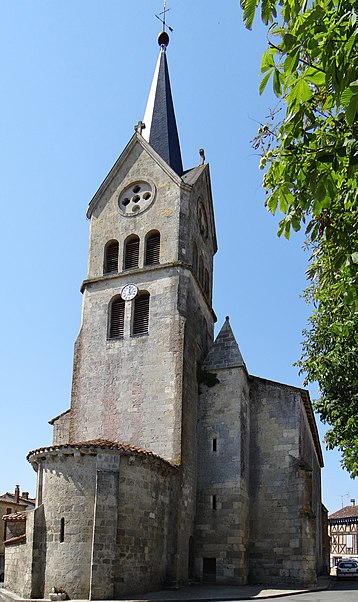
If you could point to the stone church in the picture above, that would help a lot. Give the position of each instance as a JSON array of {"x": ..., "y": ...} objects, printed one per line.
[{"x": 173, "y": 464}]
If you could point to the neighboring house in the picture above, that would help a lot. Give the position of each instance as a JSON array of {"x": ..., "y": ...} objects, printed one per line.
[
  {"x": 11, "y": 504},
  {"x": 343, "y": 530}
]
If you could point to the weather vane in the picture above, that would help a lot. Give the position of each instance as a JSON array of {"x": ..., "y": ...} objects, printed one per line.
[{"x": 162, "y": 17}]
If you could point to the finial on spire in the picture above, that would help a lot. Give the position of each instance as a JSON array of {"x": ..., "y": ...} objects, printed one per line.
[
  {"x": 163, "y": 39},
  {"x": 202, "y": 156}
]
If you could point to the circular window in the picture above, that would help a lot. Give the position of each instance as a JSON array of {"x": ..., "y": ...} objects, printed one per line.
[{"x": 136, "y": 197}]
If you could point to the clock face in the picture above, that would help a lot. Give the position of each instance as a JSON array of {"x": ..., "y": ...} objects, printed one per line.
[{"x": 129, "y": 291}]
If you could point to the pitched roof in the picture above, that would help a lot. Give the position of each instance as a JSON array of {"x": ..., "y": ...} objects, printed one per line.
[
  {"x": 159, "y": 118},
  {"x": 23, "y": 501},
  {"x": 15, "y": 516},
  {"x": 225, "y": 352},
  {"x": 346, "y": 512}
]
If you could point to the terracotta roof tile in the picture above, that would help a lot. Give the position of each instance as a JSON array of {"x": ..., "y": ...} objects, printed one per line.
[
  {"x": 126, "y": 448},
  {"x": 15, "y": 516},
  {"x": 346, "y": 512}
]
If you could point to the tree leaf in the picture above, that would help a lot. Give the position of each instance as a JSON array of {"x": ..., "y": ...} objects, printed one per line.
[
  {"x": 264, "y": 81},
  {"x": 249, "y": 7},
  {"x": 277, "y": 82},
  {"x": 352, "y": 110}
]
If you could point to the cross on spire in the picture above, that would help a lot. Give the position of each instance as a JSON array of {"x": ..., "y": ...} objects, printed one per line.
[{"x": 162, "y": 17}]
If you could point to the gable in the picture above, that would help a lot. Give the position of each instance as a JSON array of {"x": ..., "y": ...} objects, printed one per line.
[{"x": 120, "y": 170}]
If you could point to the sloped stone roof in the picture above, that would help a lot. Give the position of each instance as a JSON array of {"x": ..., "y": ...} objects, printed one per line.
[{"x": 225, "y": 352}]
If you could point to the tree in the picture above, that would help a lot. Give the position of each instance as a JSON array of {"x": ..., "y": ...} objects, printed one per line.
[{"x": 310, "y": 158}]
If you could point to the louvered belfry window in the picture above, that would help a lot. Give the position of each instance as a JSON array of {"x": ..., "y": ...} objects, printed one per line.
[
  {"x": 131, "y": 253},
  {"x": 111, "y": 257},
  {"x": 152, "y": 251},
  {"x": 116, "y": 322},
  {"x": 141, "y": 314}
]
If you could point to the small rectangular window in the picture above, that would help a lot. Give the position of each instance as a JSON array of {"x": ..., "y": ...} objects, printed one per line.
[
  {"x": 62, "y": 530},
  {"x": 214, "y": 445},
  {"x": 213, "y": 502}
]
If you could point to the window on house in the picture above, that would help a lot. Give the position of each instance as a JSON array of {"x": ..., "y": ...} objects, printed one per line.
[
  {"x": 116, "y": 319},
  {"x": 152, "y": 250},
  {"x": 141, "y": 314},
  {"x": 8, "y": 510},
  {"x": 131, "y": 252},
  {"x": 62, "y": 530},
  {"x": 111, "y": 257}
]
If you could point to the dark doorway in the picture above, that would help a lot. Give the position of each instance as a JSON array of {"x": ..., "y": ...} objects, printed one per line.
[{"x": 209, "y": 570}]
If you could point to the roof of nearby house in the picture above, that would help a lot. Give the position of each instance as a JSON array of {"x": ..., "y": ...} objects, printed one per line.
[
  {"x": 348, "y": 512},
  {"x": 15, "y": 516},
  {"x": 23, "y": 501}
]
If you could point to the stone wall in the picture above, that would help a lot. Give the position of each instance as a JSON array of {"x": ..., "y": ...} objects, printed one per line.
[
  {"x": 14, "y": 528},
  {"x": 145, "y": 525},
  {"x": 68, "y": 495},
  {"x": 223, "y": 468},
  {"x": 282, "y": 538},
  {"x": 61, "y": 428},
  {"x": 23, "y": 559}
]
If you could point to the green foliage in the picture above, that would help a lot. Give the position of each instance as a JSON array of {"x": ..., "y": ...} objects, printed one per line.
[
  {"x": 310, "y": 157},
  {"x": 206, "y": 378}
]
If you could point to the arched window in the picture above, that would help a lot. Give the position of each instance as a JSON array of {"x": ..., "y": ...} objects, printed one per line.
[
  {"x": 131, "y": 252},
  {"x": 141, "y": 314},
  {"x": 116, "y": 319},
  {"x": 195, "y": 258},
  {"x": 152, "y": 248},
  {"x": 201, "y": 270},
  {"x": 111, "y": 257}
]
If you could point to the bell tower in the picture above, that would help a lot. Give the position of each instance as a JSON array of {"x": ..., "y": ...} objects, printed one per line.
[{"x": 146, "y": 314}]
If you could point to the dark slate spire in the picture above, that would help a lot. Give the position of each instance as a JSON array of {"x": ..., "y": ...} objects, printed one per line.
[
  {"x": 225, "y": 352},
  {"x": 160, "y": 124}
]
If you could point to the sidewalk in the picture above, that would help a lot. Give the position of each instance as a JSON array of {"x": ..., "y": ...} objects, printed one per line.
[{"x": 205, "y": 593}]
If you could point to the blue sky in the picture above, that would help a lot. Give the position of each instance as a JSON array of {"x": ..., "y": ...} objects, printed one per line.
[{"x": 75, "y": 80}]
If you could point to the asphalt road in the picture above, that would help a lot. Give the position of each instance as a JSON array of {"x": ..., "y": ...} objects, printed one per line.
[{"x": 344, "y": 590}]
